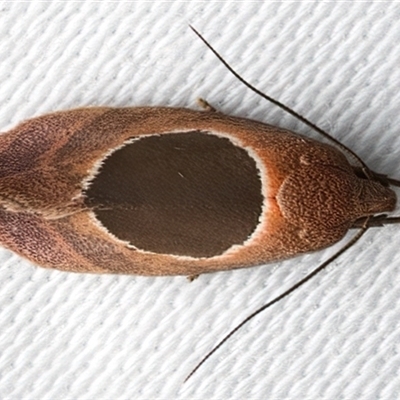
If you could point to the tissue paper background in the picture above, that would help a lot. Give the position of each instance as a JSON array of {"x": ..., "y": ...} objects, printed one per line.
[{"x": 76, "y": 336}]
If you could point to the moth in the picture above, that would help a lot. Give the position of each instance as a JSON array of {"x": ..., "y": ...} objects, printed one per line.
[
  {"x": 167, "y": 191},
  {"x": 174, "y": 191}
]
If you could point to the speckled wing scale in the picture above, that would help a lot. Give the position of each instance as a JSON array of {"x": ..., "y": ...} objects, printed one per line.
[{"x": 164, "y": 191}]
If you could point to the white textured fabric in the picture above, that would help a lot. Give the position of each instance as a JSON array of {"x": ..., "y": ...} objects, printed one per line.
[{"x": 72, "y": 336}]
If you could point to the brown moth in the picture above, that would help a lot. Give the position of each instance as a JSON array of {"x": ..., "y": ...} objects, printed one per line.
[
  {"x": 173, "y": 191},
  {"x": 167, "y": 191}
]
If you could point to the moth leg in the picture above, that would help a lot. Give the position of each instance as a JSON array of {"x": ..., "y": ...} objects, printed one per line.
[
  {"x": 205, "y": 105},
  {"x": 191, "y": 278}
]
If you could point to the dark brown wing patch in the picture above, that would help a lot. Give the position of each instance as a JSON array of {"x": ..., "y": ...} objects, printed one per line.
[{"x": 189, "y": 194}]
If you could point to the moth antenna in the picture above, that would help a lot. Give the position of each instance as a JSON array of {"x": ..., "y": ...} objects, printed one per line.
[
  {"x": 375, "y": 221},
  {"x": 385, "y": 180},
  {"x": 393, "y": 182},
  {"x": 367, "y": 172},
  {"x": 360, "y": 233}
]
